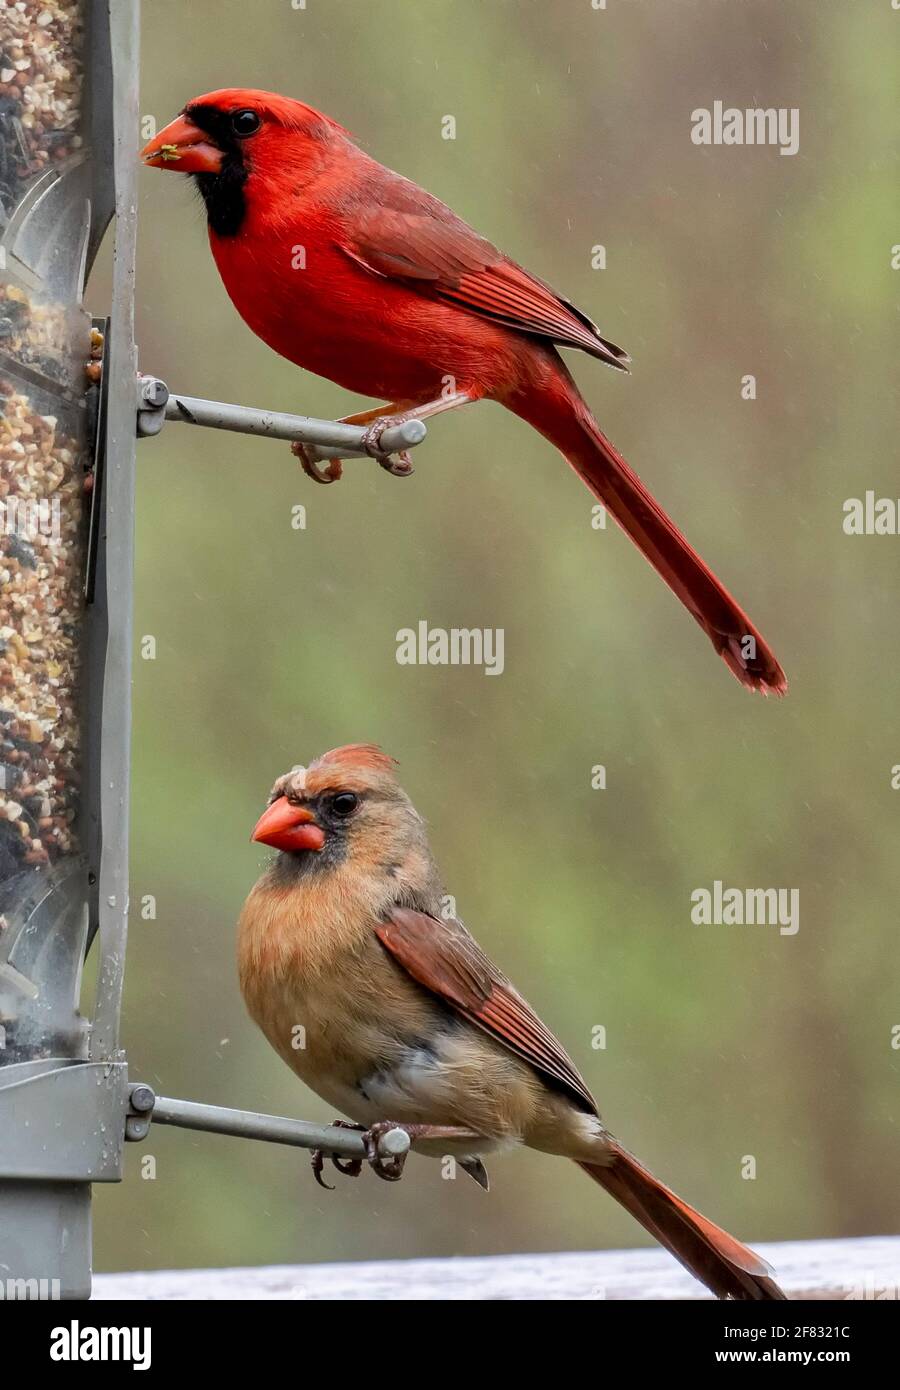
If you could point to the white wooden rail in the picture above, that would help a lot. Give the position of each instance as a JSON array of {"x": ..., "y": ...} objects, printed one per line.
[{"x": 868, "y": 1268}]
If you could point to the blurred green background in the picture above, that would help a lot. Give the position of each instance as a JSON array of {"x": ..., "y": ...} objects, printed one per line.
[{"x": 273, "y": 644}]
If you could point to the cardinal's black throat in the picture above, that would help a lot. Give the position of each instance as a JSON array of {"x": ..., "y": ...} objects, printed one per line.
[{"x": 223, "y": 193}]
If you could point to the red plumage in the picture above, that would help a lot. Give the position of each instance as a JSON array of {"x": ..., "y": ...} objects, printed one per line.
[{"x": 355, "y": 273}]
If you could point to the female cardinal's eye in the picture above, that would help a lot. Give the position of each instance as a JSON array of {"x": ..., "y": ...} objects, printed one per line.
[
  {"x": 344, "y": 804},
  {"x": 245, "y": 122}
]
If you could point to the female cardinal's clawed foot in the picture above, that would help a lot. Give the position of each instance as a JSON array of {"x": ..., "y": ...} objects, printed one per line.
[
  {"x": 307, "y": 454},
  {"x": 350, "y": 1167},
  {"x": 390, "y": 1166}
]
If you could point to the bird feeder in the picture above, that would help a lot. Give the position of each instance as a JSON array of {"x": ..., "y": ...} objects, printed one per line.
[
  {"x": 68, "y": 93},
  {"x": 71, "y": 407}
]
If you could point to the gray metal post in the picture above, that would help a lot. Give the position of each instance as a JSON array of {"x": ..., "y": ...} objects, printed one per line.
[{"x": 63, "y": 1084}]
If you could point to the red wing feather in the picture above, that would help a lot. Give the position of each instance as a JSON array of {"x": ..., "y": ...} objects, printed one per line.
[
  {"x": 446, "y": 960},
  {"x": 438, "y": 254}
]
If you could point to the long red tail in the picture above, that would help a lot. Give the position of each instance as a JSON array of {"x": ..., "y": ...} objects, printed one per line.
[
  {"x": 728, "y": 1268},
  {"x": 560, "y": 414}
]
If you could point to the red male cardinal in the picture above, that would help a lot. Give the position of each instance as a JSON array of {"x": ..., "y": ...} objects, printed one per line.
[
  {"x": 406, "y": 1020},
  {"x": 353, "y": 272}
]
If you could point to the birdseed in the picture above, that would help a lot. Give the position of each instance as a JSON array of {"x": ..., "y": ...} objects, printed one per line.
[
  {"x": 41, "y": 73},
  {"x": 41, "y": 609}
]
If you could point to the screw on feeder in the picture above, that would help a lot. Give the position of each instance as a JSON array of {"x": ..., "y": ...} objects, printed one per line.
[
  {"x": 154, "y": 391},
  {"x": 137, "y": 1127},
  {"x": 143, "y": 1097},
  {"x": 141, "y": 1100},
  {"x": 152, "y": 399}
]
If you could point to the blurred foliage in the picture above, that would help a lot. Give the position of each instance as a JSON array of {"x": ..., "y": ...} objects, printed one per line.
[{"x": 573, "y": 128}]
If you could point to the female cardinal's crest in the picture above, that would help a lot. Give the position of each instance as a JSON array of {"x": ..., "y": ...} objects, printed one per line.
[{"x": 367, "y": 756}]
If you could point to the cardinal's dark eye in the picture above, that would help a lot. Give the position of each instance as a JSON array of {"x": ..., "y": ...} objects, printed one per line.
[
  {"x": 245, "y": 123},
  {"x": 344, "y": 804}
]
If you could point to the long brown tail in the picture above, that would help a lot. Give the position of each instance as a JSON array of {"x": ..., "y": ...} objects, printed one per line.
[
  {"x": 728, "y": 1268},
  {"x": 559, "y": 413}
]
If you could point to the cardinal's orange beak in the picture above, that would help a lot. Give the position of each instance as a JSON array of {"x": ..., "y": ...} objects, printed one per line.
[
  {"x": 286, "y": 826},
  {"x": 184, "y": 147}
]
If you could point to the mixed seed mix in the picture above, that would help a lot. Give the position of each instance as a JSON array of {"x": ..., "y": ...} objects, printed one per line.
[
  {"x": 33, "y": 333},
  {"x": 41, "y": 549},
  {"x": 40, "y": 91},
  {"x": 42, "y": 482}
]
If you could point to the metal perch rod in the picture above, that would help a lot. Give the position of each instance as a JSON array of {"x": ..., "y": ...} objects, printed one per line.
[
  {"x": 157, "y": 403},
  {"x": 330, "y": 434},
  {"x": 275, "y": 1129}
]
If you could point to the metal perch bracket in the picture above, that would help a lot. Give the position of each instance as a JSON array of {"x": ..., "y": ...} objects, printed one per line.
[
  {"x": 329, "y": 438},
  {"x": 144, "y": 1105}
]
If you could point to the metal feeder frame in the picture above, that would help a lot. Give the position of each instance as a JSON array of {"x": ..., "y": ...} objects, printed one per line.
[{"x": 65, "y": 1116}]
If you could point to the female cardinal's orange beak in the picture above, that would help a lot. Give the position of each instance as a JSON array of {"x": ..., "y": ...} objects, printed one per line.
[
  {"x": 286, "y": 826},
  {"x": 184, "y": 147}
]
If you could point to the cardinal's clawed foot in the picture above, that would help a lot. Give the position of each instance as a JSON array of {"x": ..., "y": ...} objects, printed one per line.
[
  {"x": 307, "y": 454},
  {"x": 398, "y": 465},
  {"x": 387, "y": 1166},
  {"x": 350, "y": 1167},
  {"x": 390, "y": 1166}
]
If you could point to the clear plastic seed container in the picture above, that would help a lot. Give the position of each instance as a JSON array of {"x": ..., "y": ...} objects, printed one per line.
[{"x": 45, "y": 499}]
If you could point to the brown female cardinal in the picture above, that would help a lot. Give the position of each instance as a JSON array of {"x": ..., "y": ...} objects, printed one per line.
[
  {"x": 355, "y": 273},
  {"x": 405, "y": 1020}
]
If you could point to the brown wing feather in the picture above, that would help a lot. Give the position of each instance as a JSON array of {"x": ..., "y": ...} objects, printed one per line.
[
  {"x": 445, "y": 959},
  {"x": 430, "y": 248}
]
